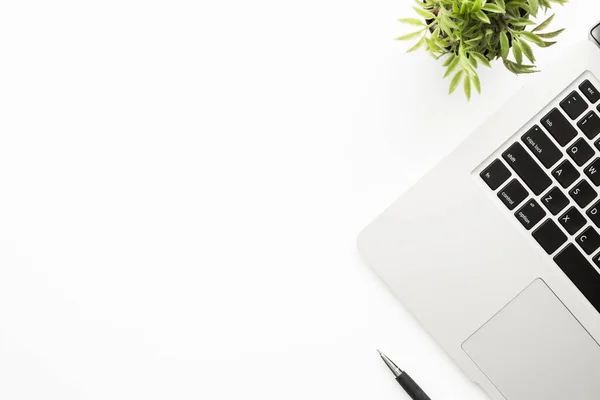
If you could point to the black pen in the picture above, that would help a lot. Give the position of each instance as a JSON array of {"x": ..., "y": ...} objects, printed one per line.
[{"x": 407, "y": 383}]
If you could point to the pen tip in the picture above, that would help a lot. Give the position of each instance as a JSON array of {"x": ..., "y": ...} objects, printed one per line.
[{"x": 393, "y": 367}]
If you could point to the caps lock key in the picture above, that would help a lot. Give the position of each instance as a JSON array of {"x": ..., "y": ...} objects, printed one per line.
[{"x": 542, "y": 146}]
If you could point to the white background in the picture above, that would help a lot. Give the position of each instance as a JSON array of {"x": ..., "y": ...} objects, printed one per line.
[{"x": 182, "y": 184}]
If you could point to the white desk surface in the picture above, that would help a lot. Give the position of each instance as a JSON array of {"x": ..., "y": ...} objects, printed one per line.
[{"x": 183, "y": 183}]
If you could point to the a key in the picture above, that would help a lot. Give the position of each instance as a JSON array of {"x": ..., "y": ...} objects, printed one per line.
[
  {"x": 530, "y": 214},
  {"x": 581, "y": 272},
  {"x": 590, "y": 125},
  {"x": 513, "y": 194},
  {"x": 583, "y": 193},
  {"x": 549, "y": 236},
  {"x": 593, "y": 171},
  {"x": 589, "y": 91},
  {"x": 526, "y": 167},
  {"x": 572, "y": 220},
  {"x": 574, "y": 105},
  {"x": 596, "y": 260},
  {"x": 566, "y": 174},
  {"x": 580, "y": 152},
  {"x": 495, "y": 175},
  {"x": 589, "y": 240},
  {"x": 541, "y": 146},
  {"x": 559, "y": 127},
  {"x": 555, "y": 201}
]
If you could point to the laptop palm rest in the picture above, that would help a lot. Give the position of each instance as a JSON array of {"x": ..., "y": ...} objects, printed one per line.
[{"x": 534, "y": 343}]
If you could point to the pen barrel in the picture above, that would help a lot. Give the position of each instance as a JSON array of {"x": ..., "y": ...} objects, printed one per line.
[{"x": 411, "y": 387}]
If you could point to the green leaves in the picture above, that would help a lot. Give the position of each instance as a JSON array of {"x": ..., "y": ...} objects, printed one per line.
[
  {"x": 480, "y": 15},
  {"x": 532, "y": 37},
  {"x": 452, "y": 65},
  {"x": 550, "y": 35},
  {"x": 424, "y": 13},
  {"x": 494, "y": 8},
  {"x": 467, "y": 86},
  {"x": 476, "y": 83},
  {"x": 409, "y": 36},
  {"x": 477, "y": 5},
  {"x": 520, "y": 22},
  {"x": 481, "y": 58},
  {"x": 412, "y": 21},
  {"x": 419, "y": 44},
  {"x": 544, "y": 24},
  {"x": 517, "y": 51},
  {"x": 534, "y": 7},
  {"x": 455, "y": 81},
  {"x": 467, "y": 62},
  {"x": 519, "y": 68},
  {"x": 527, "y": 50},
  {"x": 504, "y": 44},
  {"x": 468, "y": 34}
]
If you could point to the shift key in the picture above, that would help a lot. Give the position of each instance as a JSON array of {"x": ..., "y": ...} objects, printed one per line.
[
  {"x": 541, "y": 146},
  {"x": 527, "y": 168}
]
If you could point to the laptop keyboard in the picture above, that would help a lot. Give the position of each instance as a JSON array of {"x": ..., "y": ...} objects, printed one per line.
[{"x": 549, "y": 180}]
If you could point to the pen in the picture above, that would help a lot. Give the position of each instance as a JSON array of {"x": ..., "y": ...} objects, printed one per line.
[{"x": 407, "y": 383}]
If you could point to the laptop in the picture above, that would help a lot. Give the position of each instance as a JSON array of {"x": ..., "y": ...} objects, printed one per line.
[{"x": 496, "y": 251}]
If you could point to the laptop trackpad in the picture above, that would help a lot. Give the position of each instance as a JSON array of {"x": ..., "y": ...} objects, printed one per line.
[{"x": 535, "y": 349}]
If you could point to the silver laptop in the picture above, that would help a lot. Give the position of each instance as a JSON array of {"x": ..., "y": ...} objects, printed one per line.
[{"x": 496, "y": 251}]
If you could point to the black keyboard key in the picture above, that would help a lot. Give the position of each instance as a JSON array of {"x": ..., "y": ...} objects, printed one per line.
[
  {"x": 580, "y": 152},
  {"x": 495, "y": 175},
  {"x": 527, "y": 168},
  {"x": 572, "y": 220},
  {"x": 583, "y": 274},
  {"x": 530, "y": 214},
  {"x": 574, "y": 105},
  {"x": 555, "y": 201},
  {"x": 596, "y": 260},
  {"x": 566, "y": 174},
  {"x": 583, "y": 193},
  {"x": 513, "y": 194},
  {"x": 589, "y": 240},
  {"x": 542, "y": 146},
  {"x": 549, "y": 236},
  {"x": 589, "y": 91},
  {"x": 594, "y": 214},
  {"x": 593, "y": 171},
  {"x": 590, "y": 125},
  {"x": 559, "y": 127}
]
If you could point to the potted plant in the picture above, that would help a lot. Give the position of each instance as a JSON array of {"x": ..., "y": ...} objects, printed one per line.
[{"x": 469, "y": 33}]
